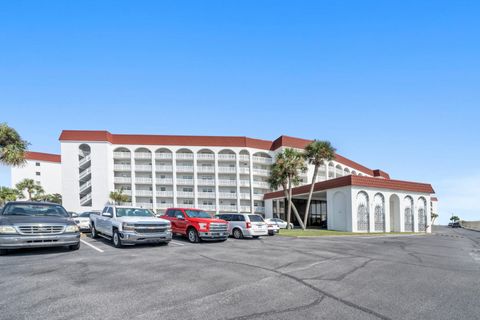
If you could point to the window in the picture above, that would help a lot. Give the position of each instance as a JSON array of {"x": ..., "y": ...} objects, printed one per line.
[
  {"x": 238, "y": 217},
  {"x": 179, "y": 214},
  {"x": 187, "y": 189},
  {"x": 163, "y": 189},
  {"x": 187, "y": 201},
  {"x": 37, "y": 164},
  {"x": 37, "y": 173}
]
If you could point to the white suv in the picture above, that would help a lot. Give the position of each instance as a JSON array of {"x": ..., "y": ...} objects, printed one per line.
[{"x": 245, "y": 225}]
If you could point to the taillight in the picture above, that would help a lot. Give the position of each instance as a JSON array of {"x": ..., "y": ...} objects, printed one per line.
[{"x": 249, "y": 225}]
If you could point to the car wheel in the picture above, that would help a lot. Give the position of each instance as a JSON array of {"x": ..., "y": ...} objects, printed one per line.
[
  {"x": 117, "y": 242},
  {"x": 94, "y": 232},
  {"x": 237, "y": 234},
  {"x": 192, "y": 235},
  {"x": 74, "y": 247},
  {"x": 3, "y": 252}
]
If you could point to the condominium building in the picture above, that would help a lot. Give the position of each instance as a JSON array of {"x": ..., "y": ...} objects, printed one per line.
[{"x": 222, "y": 174}]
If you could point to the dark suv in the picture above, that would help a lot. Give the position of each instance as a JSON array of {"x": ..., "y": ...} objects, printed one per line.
[{"x": 36, "y": 224}]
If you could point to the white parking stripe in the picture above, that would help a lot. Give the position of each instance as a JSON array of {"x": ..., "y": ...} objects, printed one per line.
[
  {"x": 177, "y": 243},
  {"x": 91, "y": 245}
]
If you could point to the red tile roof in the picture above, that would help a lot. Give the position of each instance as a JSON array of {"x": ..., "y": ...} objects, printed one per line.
[
  {"x": 363, "y": 181},
  {"x": 207, "y": 141},
  {"x": 40, "y": 156}
]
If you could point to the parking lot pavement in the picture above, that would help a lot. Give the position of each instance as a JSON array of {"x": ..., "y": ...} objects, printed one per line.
[{"x": 410, "y": 277}]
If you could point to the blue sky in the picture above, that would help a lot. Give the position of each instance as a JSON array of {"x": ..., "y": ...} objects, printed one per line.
[{"x": 393, "y": 84}]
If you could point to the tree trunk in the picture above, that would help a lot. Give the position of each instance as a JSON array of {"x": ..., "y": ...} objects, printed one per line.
[
  {"x": 289, "y": 209},
  {"x": 310, "y": 194},
  {"x": 29, "y": 195},
  {"x": 294, "y": 208}
]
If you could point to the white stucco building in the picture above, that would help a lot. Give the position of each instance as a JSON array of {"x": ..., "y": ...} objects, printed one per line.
[{"x": 230, "y": 174}]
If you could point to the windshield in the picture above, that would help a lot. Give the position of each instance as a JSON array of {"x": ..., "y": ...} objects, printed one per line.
[
  {"x": 133, "y": 212},
  {"x": 24, "y": 209},
  {"x": 197, "y": 214},
  {"x": 255, "y": 218}
]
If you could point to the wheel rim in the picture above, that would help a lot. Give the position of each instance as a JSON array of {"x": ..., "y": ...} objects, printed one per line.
[
  {"x": 236, "y": 234},
  {"x": 191, "y": 235},
  {"x": 115, "y": 239}
]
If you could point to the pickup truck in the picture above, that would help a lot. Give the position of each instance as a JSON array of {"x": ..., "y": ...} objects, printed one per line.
[
  {"x": 129, "y": 225},
  {"x": 29, "y": 224},
  {"x": 196, "y": 224}
]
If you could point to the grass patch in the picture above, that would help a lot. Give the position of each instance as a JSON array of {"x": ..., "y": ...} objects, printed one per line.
[{"x": 322, "y": 232}]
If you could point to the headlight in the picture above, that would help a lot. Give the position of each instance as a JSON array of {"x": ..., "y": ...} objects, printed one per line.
[
  {"x": 128, "y": 227},
  {"x": 7, "y": 229},
  {"x": 72, "y": 228},
  {"x": 203, "y": 225}
]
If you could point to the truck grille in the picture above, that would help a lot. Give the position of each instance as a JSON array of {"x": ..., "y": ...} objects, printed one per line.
[
  {"x": 218, "y": 227},
  {"x": 150, "y": 228},
  {"x": 40, "y": 229}
]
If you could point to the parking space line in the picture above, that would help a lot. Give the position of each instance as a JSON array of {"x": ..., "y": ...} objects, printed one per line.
[
  {"x": 177, "y": 243},
  {"x": 91, "y": 245}
]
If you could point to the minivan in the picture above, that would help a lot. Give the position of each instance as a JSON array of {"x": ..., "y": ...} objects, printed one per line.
[{"x": 245, "y": 225}]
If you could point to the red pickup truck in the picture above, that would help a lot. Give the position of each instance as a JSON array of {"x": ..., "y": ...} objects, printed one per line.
[{"x": 196, "y": 224}]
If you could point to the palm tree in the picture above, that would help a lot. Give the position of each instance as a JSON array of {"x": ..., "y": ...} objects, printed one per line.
[
  {"x": 118, "y": 196},
  {"x": 54, "y": 198},
  {"x": 285, "y": 173},
  {"x": 8, "y": 194},
  {"x": 33, "y": 189},
  {"x": 316, "y": 152},
  {"x": 434, "y": 216},
  {"x": 12, "y": 147}
]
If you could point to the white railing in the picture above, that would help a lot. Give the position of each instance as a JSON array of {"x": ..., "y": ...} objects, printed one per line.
[
  {"x": 244, "y": 170},
  {"x": 206, "y": 169},
  {"x": 128, "y": 204},
  {"x": 85, "y": 186},
  {"x": 145, "y": 205},
  {"x": 143, "y": 155},
  {"x": 259, "y": 209},
  {"x": 122, "y": 180},
  {"x": 207, "y": 207},
  {"x": 261, "y": 184},
  {"x": 205, "y": 156},
  {"x": 245, "y": 183},
  {"x": 206, "y": 182},
  {"x": 164, "y": 205},
  {"x": 185, "y": 181},
  {"x": 245, "y": 196},
  {"x": 228, "y": 208},
  {"x": 127, "y": 192},
  {"x": 164, "y": 168},
  {"x": 244, "y": 157},
  {"x": 184, "y": 156},
  {"x": 122, "y": 167},
  {"x": 258, "y": 196},
  {"x": 122, "y": 155},
  {"x": 185, "y": 194},
  {"x": 85, "y": 173},
  {"x": 227, "y": 182},
  {"x": 227, "y": 169},
  {"x": 262, "y": 160},
  {"x": 147, "y": 193},
  {"x": 85, "y": 160},
  {"x": 86, "y": 198},
  {"x": 163, "y": 155},
  {"x": 143, "y": 167},
  {"x": 245, "y": 209},
  {"x": 164, "y": 181},
  {"x": 206, "y": 195},
  {"x": 261, "y": 172},
  {"x": 226, "y": 156},
  {"x": 227, "y": 195},
  {"x": 164, "y": 193},
  {"x": 143, "y": 180},
  {"x": 184, "y": 168}
]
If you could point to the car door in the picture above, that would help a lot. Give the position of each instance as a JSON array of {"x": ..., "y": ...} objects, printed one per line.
[
  {"x": 181, "y": 222},
  {"x": 108, "y": 230},
  {"x": 228, "y": 218},
  {"x": 170, "y": 216},
  {"x": 100, "y": 220}
]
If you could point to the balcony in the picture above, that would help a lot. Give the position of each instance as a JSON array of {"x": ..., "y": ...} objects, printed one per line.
[
  {"x": 143, "y": 168},
  {"x": 258, "y": 196},
  {"x": 163, "y": 155},
  {"x": 184, "y": 168},
  {"x": 206, "y": 195},
  {"x": 228, "y": 208},
  {"x": 229, "y": 157},
  {"x": 245, "y": 209},
  {"x": 188, "y": 182},
  {"x": 122, "y": 167},
  {"x": 244, "y": 170},
  {"x": 85, "y": 186},
  {"x": 188, "y": 156},
  {"x": 244, "y": 157},
  {"x": 245, "y": 196},
  {"x": 85, "y": 173},
  {"x": 259, "y": 209},
  {"x": 227, "y": 182},
  {"x": 144, "y": 193},
  {"x": 85, "y": 199},
  {"x": 264, "y": 160},
  {"x": 85, "y": 160},
  {"x": 227, "y": 195},
  {"x": 143, "y": 155},
  {"x": 261, "y": 184},
  {"x": 206, "y": 182},
  {"x": 126, "y": 192},
  {"x": 261, "y": 172},
  {"x": 205, "y": 156},
  {"x": 205, "y": 169},
  {"x": 227, "y": 169},
  {"x": 165, "y": 194},
  {"x": 185, "y": 194},
  {"x": 122, "y": 180},
  {"x": 164, "y": 168},
  {"x": 121, "y": 155},
  {"x": 245, "y": 183},
  {"x": 207, "y": 207},
  {"x": 143, "y": 180},
  {"x": 145, "y": 205},
  {"x": 164, "y": 205},
  {"x": 164, "y": 181}
]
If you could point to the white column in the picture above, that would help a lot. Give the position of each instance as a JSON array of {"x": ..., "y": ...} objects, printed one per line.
[
  {"x": 237, "y": 165},
  {"x": 195, "y": 180},
  {"x": 154, "y": 181},
  {"x": 217, "y": 200},
  {"x": 371, "y": 212},
  {"x": 387, "y": 212},
  {"x": 428, "y": 215},
  {"x": 251, "y": 183},
  {"x": 132, "y": 174},
  {"x": 415, "y": 214},
  {"x": 174, "y": 177}
]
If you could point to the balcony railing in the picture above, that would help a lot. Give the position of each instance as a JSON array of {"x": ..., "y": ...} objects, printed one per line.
[
  {"x": 185, "y": 181},
  {"x": 262, "y": 160},
  {"x": 226, "y": 157},
  {"x": 245, "y": 196},
  {"x": 206, "y": 182},
  {"x": 121, "y": 155},
  {"x": 184, "y": 168},
  {"x": 164, "y": 193},
  {"x": 122, "y": 167},
  {"x": 206, "y": 169},
  {"x": 185, "y": 194},
  {"x": 245, "y": 183},
  {"x": 205, "y": 156},
  {"x": 258, "y": 196},
  {"x": 85, "y": 198},
  {"x": 206, "y": 195},
  {"x": 143, "y": 180},
  {"x": 163, "y": 155},
  {"x": 261, "y": 172},
  {"x": 228, "y": 208},
  {"x": 143, "y": 168},
  {"x": 85, "y": 160},
  {"x": 227, "y": 169},
  {"x": 164, "y": 181},
  {"x": 163, "y": 168},
  {"x": 259, "y": 209},
  {"x": 164, "y": 205},
  {"x": 261, "y": 184},
  {"x": 126, "y": 192},
  {"x": 145, "y": 205},
  {"x": 244, "y": 157},
  {"x": 227, "y": 195},
  {"x": 143, "y": 155},
  {"x": 207, "y": 207},
  {"x": 122, "y": 180},
  {"x": 245, "y": 170},
  {"x": 227, "y": 182},
  {"x": 85, "y": 186},
  {"x": 85, "y": 173},
  {"x": 144, "y": 193},
  {"x": 245, "y": 209},
  {"x": 184, "y": 156}
]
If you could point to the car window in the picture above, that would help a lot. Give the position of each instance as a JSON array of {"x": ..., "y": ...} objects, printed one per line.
[
  {"x": 255, "y": 218},
  {"x": 179, "y": 214},
  {"x": 34, "y": 209},
  {"x": 85, "y": 214},
  {"x": 104, "y": 209},
  {"x": 107, "y": 210},
  {"x": 227, "y": 217}
]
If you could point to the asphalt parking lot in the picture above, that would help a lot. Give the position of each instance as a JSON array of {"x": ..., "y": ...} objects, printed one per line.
[{"x": 396, "y": 277}]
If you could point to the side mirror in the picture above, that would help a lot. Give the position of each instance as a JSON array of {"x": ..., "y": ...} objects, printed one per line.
[
  {"x": 74, "y": 215},
  {"x": 108, "y": 215},
  {"x": 180, "y": 217}
]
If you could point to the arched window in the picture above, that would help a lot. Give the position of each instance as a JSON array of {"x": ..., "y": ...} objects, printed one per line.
[
  {"x": 379, "y": 205},
  {"x": 338, "y": 171},
  {"x": 408, "y": 214},
  {"x": 346, "y": 171},
  {"x": 422, "y": 214},
  {"x": 362, "y": 211}
]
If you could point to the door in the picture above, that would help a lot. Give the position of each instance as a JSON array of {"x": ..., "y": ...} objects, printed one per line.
[{"x": 180, "y": 222}]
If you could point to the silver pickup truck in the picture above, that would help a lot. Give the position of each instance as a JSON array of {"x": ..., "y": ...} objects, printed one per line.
[{"x": 130, "y": 225}]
